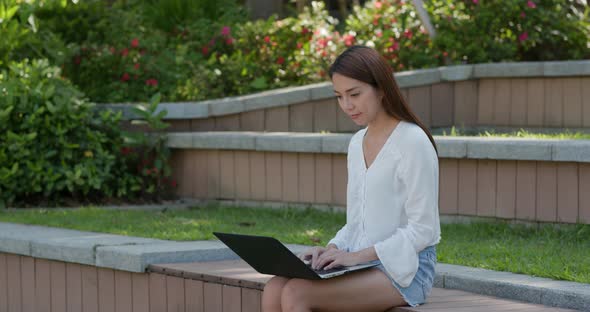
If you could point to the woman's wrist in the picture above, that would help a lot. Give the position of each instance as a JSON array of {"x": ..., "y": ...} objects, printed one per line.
[
  {"x": 332, "y": 245},
  {"x": 366, "y": 255}
]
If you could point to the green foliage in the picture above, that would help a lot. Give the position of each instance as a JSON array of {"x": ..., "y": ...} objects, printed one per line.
[
  {"x": 53, "y": 146},
  {"x": 492, "y": 31},
  {"x": 175, "y": 15},
  {"x": 14, "y": 34},
  {"x": 49, "y": 142},
  {"x": 146, "y": 154},
  {"x": 129, "y": 50},
  {"x": 71, "y": 21},
  {"x": 394, "y": 29},
  {"x": 265, "y": 54}
]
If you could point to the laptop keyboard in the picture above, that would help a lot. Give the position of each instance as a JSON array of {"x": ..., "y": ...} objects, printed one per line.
[{"x": 322, "y": 271}]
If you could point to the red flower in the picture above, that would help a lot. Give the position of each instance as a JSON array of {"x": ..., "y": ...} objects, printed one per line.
[
  {"x": 524, "y": 36},
  {"x": 475, "y": 1},
  {"x": 225, "y": 31},
  {"x": 125, "y": 77},
  {"x": 348, "y": 40},
  {"x": 445, "y": 53},
  {"x": 531, "y": 4},
  {"x": 408, "y": 34},
  {"x": 229, "y": 41},
  {"x": 136, "y": 65},
  {"x": 151, "y": 82},
  {"x": 522, "y": 15},
  {"x": 378, "y": 4},
  {"x": 280, "y": 60},
  {"x": 304, "y": 31},
  {"x": 124, "y": 52},
  {"x": 299, "y": 45},
  {"x": 267, "y": 39},
  {"x": 205, "y": 50},
  {"x": 135, "y": 43}
]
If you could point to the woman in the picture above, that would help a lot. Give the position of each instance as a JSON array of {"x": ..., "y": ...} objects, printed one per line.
[{"x": 392, "y": 202}]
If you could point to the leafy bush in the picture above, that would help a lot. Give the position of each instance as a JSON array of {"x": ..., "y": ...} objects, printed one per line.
[
  {"x": 53, "y": 146},
  {"x": 394, "y": 29},
  {"x": 129, "y": 50},
  {"x": 265, "y": 54},
  {"x": 474, "y": 31},
  {"x": 146, "y": 154}
]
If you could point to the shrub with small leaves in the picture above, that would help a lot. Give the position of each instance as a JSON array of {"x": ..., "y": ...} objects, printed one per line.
[
  {"x": 473, "y": 31},
  {"x": 55, "y": 146}
]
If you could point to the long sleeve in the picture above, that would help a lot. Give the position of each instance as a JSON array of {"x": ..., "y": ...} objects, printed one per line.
[
  {"x": 341, "y": 239},
  {"x": 419, "y": 174}
]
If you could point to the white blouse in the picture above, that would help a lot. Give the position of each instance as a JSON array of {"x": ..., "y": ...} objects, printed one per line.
[{"x": 392, "y": 205}]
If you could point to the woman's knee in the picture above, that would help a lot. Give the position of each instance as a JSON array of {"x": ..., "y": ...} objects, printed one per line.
[
  {"x": 271, "y": 296},
  {"x": 296, "y": 295}
]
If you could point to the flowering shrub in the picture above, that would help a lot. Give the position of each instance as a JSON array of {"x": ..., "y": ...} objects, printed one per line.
[
  {"x": 126, "y": 51},
  {"x": 266, "y": 54},
  {"x": 394, "y": 29},
  {"x": 130, "y": 64},
  {"x": 475, "y": 31}
]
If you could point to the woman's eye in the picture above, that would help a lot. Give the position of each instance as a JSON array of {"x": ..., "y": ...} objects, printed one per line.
[{"x": 354, "y": 94}]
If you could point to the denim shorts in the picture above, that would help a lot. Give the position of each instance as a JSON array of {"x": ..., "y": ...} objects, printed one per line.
[{"x": 421, "y": 286}]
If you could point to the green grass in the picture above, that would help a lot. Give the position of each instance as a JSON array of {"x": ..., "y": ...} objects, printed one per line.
[
  {"x": 521, "y": 133},
  {"x": 544, "y": 250}
]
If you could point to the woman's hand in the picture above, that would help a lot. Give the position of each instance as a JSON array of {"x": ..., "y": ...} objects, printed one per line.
[
  {"x": 336, "y": 258},
  {"x": 312, "y": 254}
]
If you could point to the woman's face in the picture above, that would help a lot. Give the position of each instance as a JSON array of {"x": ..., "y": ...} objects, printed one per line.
[{"x": 359, "y": 100}]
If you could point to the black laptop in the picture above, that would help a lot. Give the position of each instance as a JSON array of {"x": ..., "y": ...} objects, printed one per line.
[{"x": 269, "y": 256}]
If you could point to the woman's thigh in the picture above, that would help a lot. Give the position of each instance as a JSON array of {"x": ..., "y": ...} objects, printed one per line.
[
  {"x": 271, "y": 296},
  {"x": 368, "y": 290}
]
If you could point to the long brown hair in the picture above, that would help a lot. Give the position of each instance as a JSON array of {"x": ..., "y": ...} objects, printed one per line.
[{"x": 367, "y": 65}]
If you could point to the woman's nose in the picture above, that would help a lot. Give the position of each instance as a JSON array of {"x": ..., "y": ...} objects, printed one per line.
[{"x": 347, "y": 104}]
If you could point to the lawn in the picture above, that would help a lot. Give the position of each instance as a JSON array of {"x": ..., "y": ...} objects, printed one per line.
[
  {"x": 544, "y": 250},
  {"x": 563, "y": 134}
]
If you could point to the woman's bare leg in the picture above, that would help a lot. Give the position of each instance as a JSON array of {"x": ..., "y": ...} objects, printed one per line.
[
  {"x": 271, "y": 296},
  {"x": 368, "y": 290}
]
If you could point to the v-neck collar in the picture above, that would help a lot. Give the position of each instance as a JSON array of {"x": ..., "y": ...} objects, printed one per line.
[{"x": 380, "y": 150}]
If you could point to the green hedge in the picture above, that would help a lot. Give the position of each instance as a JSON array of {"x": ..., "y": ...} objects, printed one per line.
[{"x": 53, "y": 146}]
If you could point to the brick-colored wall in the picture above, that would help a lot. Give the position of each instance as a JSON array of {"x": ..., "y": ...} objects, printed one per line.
[
  {"x": 516, "y": 102},
  {"x": 32, "y": 284},
  {"x": 509, "y": 189}
]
